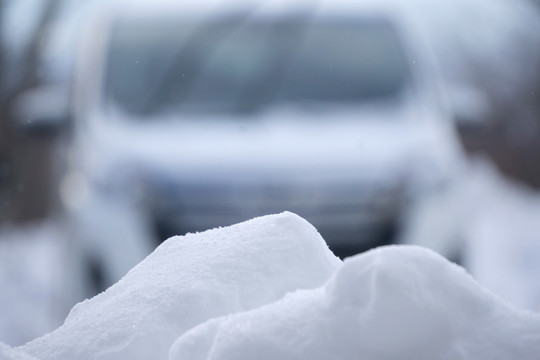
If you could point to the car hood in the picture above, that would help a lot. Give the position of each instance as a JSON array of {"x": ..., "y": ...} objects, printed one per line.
[{"x": 274, "y": 145}]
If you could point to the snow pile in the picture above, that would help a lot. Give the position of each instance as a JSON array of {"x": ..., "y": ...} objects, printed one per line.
[
  {"x": 390, "y": 303},
  {"x": 7, "y": 353},
  {"x": 189, "y": 280},
  {"x": 270, "y": 289}
]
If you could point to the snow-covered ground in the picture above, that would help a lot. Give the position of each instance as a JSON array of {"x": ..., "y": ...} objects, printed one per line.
[
  {"x": 270, "y": 288},
  {"x": 503, "y": 238},
  {"x": 491, "y": 224},
  {"x": 34, "y": 290}
]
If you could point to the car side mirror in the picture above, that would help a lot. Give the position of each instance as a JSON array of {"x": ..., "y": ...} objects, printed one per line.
[
  {"x": 42, "y": 111},
  {"x": 469, "y": 106}
]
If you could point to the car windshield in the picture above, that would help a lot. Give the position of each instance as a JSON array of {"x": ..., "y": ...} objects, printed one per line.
[{"x": 234, "y": 65}]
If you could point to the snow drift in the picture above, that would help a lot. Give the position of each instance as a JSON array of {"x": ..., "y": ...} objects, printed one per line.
[
  {"x": 391, "y": 303},
  {"x": 188, "y": 280},
  {"x": 269, "y": 288},
  {"x": 7, "y": 353}
]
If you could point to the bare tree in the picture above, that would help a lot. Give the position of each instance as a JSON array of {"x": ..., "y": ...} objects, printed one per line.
[{"x": 26, "y": 160}]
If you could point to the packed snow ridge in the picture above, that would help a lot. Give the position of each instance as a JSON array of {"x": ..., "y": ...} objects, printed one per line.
[{"x": 270, "y": 288}]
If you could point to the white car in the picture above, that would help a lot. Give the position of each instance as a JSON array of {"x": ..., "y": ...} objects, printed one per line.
[{"x": 189, "y": 116}]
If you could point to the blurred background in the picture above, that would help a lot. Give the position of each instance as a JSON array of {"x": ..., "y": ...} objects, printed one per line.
[{"x": 124, "y": 123}]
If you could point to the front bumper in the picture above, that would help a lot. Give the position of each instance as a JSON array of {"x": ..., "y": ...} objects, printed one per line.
[{"x": 346, "y": 215}]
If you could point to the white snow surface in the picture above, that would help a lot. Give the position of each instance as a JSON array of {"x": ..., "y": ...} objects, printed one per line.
[
  {"x": 8, "y": 353},
  {"x": 187, "y": 281},
  {"x": 493, "y": 223},
  {"x": 34, "y": 286},
  {"x": 269, "y": 288},
  {"x": 389, "y": 303}
]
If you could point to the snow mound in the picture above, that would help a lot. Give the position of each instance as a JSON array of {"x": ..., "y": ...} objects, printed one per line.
[
  {"x": 398, "y": 302},
  {"x": 189, "y": 280}
]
